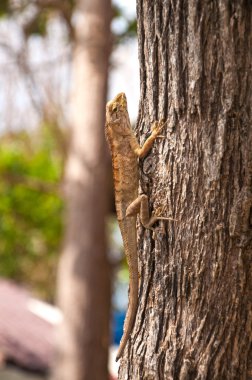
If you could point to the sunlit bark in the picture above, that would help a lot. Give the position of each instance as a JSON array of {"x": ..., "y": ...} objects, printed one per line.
[{"x": 195, "y": 318}]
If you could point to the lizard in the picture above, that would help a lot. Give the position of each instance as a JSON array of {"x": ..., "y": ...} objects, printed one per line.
[{"x": 125, "y": 151}]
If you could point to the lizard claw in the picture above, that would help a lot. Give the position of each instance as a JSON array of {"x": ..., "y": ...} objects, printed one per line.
[{"x": 157, "y": 127}]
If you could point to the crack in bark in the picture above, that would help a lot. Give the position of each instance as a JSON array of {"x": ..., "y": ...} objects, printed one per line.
[{"x": 196, "y": 307}]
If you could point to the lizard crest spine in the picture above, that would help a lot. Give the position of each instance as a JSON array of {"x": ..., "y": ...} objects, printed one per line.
[{"x": 125, "y": 152}]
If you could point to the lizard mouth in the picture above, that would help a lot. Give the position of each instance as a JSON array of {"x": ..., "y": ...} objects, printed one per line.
[
  {"x": 121, "y": 98},
  {"x": 119, "y": 103}
]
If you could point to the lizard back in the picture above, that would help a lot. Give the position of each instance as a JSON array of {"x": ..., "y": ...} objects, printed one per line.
[{"x": 120, "y": 138}]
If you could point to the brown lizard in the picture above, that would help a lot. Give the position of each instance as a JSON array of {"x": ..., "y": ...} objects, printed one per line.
[{"x": 125, "y": 151}]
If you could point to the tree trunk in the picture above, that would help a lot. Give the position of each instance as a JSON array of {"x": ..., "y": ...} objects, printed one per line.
[
  {"x": 83, "y": 280},
  {"x": 194, "y": 319}
]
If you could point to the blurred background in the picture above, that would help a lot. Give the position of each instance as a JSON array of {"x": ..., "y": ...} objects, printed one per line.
[{"x": 37, "y": 44}]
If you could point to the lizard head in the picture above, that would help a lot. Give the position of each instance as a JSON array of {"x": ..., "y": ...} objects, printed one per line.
[{"x": 117, "y": 118}]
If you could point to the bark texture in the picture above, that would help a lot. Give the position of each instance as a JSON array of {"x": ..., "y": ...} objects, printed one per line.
[
  {"x": 83, "y": 281},
  {"x": 195, "y": 301}
]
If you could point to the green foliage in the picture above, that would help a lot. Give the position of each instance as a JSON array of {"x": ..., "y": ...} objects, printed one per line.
[
  {"x": 127, "y": 26},
  {"x": 4, "y": 7},
  {"x": 38, "y": 25},
  {"x": 30, "y": 210}
]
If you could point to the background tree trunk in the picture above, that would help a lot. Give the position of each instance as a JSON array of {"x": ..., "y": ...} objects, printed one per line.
[
  {"x": 83, "y": 281},
  {"x": 195, "y": 318}
]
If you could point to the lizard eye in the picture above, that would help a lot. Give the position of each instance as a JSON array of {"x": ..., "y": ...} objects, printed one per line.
[{"x": 114, "y": 108}]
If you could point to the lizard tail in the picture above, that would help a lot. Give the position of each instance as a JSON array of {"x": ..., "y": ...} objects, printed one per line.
[{"x": 130, "y": 316}]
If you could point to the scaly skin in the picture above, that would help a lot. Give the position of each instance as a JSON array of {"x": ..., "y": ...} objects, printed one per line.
[{"x": 125, "y": 151}]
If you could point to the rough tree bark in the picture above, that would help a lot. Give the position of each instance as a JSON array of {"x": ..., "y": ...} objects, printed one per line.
[
  {"x": 83, "y": 280},
  {"x": 195, "y": 317}
]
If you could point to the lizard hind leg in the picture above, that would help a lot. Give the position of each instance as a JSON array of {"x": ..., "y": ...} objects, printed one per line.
[{"x": 141, "y": 205}]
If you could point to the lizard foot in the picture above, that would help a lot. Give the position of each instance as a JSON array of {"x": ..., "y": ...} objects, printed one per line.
[{"x": 157, "y": 127}]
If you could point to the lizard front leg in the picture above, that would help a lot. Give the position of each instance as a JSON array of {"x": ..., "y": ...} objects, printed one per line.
[
  {"x": 141, "y": 205},
  {"x": 141, "y": 152}
]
